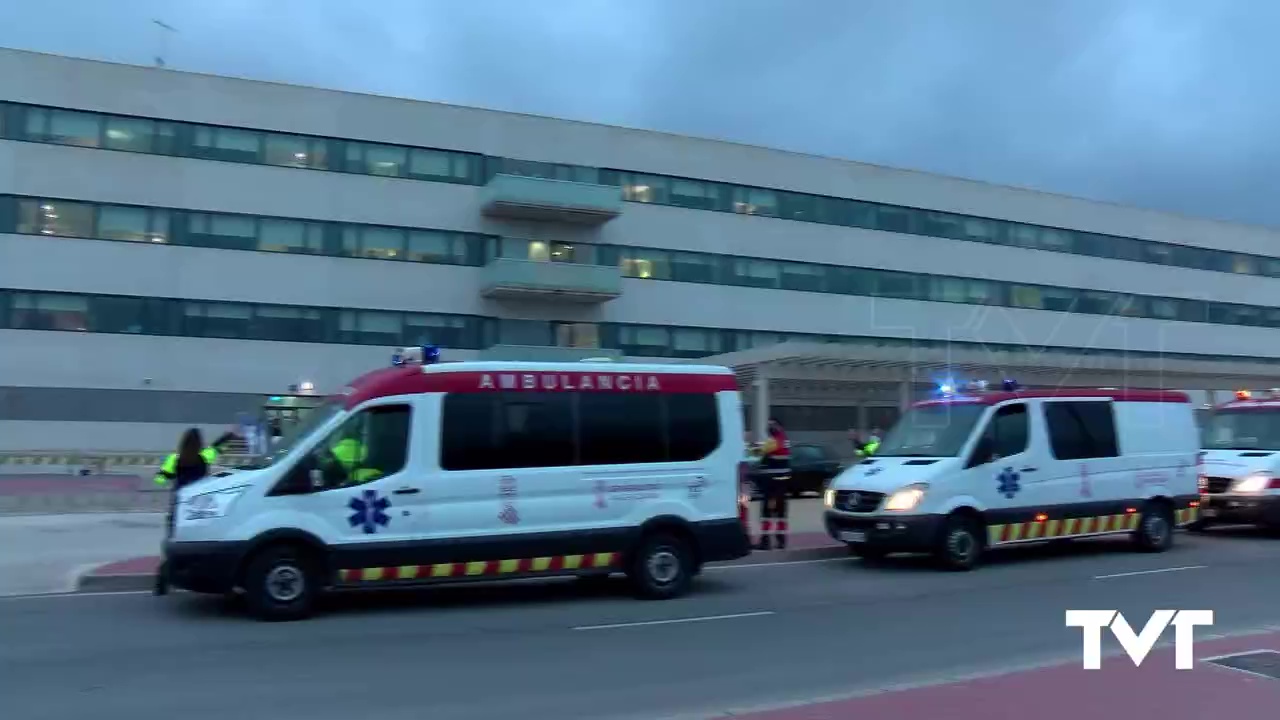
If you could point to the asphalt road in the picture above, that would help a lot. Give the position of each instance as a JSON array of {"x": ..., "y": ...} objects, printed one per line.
[{"x": 799, "y": 631}]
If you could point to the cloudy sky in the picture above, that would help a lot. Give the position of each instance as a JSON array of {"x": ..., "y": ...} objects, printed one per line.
[{"x": 1171, "y": 104}]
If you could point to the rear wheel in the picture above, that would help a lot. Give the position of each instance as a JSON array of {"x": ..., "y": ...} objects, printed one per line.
[
  {"x": 960, "y": 546},
  {"x": 1155, "y": 528},
  {"x": 662, "y": 567},
  {"x": 281, "y": 584}
]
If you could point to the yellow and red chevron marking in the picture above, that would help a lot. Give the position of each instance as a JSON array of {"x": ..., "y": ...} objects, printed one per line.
[
  {"x": 1059, "y": 528},
  {"x": 1186, "y": 516},
  {"x": 481, "y": 568}
]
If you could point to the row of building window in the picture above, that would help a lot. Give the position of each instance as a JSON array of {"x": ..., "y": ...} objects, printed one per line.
[
  {"x": 63, "y": 218},
  {"x": 76, "y": 312},
  {"x": 165, "y": 137}
]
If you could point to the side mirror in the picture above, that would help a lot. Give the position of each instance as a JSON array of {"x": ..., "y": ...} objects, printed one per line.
[{"x": 317, "y": 478}]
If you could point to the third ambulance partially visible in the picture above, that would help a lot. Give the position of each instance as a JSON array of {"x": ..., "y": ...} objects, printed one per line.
[{"x": 1240, "y": 473}]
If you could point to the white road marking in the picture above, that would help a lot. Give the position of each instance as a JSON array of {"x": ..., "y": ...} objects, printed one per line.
[
  {"x": 675, "y": 621},
  {"x": 1150, "y": 572},
  {"x": 46, "y": 596}
]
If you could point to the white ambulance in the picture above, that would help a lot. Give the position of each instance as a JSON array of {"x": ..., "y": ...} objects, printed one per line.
[
  {"x": 423, "y": 473},
  {"x": 1240, "y": 475},
  {"x": 972, "y": 470}
]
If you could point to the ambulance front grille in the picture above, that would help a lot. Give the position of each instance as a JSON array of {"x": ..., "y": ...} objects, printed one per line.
[
  {"x": 1215, "y": 485},
  {"x": 862, "y": 501}
]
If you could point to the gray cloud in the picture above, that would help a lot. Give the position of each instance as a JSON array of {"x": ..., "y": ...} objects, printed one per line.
[{"x": 1159, "y": 103}]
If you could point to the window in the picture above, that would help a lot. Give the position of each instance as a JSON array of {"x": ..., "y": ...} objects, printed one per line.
[
  {"x": 138, "y": 135},
  {"x": 651, "y": 341},
  {"x": 645, "y": 264},
  {"x": 291, "y": 236},
  {"x": 50, "y": 311},
  {"x": 292, "y": 324},
  {"x": 756, "y": 273},
  {"x": 1081, "y": 430},
  {"x": 693, "y": 426},
  {"x": 216, "y": 143},
  {"x": 72, "y": 128},
  {"x": 440, "y": 165},
  {"x": 488, "y": 431},
  {"x": 432, "y": 246},
  {"x": 619, "y": 428},
  {"x": 294, "y": 151},
  {"x": 644, "y": 188},
  {"x": 439, "y": 330},
  {"x": 755, "y": 201},
  {"x": 697, "y": 194},
  {"x": 379, "y": 243},
  {"x": 117, "y": 222},
  {"x": 370, "y": 445},
  {"x": 694, "y": 342},
  {"x": 369, "y": 327},
  {"x": 694, "y": 267},
  {"x": 1006, "y": 435},
  {"x": 370, "y": 159},
  {"x": 217, "y": 320},
  {"x": 577, "y": 335},
  {"x": 230, "y": 232},
  {"x": 894, "y": 219},
  {"x": 119, "y": 315},
  {"x": 534, "y": 333},
  {"x": 55, "y": 217},
  {"x": 802, "y": 276},
  {"x": 905, "y": 286}
]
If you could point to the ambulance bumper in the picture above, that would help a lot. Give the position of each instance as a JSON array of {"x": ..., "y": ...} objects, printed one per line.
[
  {"x": 908, "y": 533},
  {"x": 1241, "y": 508},
  {"x": 204, "y": 567}
]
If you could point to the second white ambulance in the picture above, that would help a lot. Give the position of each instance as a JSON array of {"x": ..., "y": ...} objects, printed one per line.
[
  {"x": 1240, "y": 477},
  {"x": 974, "y": 470}
]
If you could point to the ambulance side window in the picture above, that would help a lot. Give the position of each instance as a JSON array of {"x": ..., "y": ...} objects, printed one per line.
[
  {"x": 1007, "y": 433},
  {"x": 1080, "y": 430},
  {"x": 370, "y": 445}
]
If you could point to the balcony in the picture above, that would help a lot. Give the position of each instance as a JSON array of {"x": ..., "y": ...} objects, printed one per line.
[
  {"x": 529, "y": 198},
  {"x": 512, "y": 279},
  {"x": 543, "y": 353}
]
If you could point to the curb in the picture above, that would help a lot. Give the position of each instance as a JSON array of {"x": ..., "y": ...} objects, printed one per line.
[{"x": 91, "y": 582}]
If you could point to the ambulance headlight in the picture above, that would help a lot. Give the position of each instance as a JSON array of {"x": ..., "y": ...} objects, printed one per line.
[
  {"x": 1256, "y": 482},
  {"x": 211, "y": 504},
  {"x": 906, "y": 498}
]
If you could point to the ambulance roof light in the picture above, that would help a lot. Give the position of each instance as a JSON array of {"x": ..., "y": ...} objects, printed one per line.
[
  {"x": 1275, "y": 392},
  {"x": 420, "y": 355},
  {"x": 1243, "y": 394},
  {"x": 1009, "y": 385}
]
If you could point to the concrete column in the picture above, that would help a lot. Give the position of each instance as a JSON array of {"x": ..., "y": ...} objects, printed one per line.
[
  {"x": 761, "y": 406},
  {"x": 864, "y": 418},
  {"x": 904, "y": 395}
]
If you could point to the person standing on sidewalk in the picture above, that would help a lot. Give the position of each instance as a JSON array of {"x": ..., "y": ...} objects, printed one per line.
[
  {"x": 775, "y": 474},
  {"x": 180, "y": 469}
]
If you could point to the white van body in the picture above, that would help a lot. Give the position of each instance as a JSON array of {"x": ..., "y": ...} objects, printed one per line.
[
  {"x": 1024, "y": 466},
  {"x": 481, "y": 470},
  {"x": 1240, "y": 475}
]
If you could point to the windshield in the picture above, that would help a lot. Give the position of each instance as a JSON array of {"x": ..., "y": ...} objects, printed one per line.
[
  {"x": 931, "y": 431},
  {"x": 314, "y": 419},
  {"x": 1242, "y": 430}
]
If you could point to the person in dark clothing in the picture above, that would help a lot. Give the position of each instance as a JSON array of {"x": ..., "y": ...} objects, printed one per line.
[
  {"x": 774, "y": 472},
  {"x": 180, "y": 469}
]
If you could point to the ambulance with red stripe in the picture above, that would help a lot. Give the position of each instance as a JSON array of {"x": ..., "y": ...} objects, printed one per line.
[
  {"x": 971, "y": 470},
  {"x": 426, "y": 472},
  {"x": 1240, "y": 474}
]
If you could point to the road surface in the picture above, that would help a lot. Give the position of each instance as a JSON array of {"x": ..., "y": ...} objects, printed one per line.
[{"x": 750, "y": 637}]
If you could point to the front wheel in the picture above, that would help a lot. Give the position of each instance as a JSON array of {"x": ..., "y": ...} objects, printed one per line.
[
  {"x": 662, "y": 567},
  {"x": 960, "y": 547},
  {"x": 281, "y": 584},
  {"x": 1155, "y": 529}
]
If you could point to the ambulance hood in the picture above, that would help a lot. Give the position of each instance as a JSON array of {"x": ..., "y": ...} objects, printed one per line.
[
  {"x": 1239, "y": 463},
  {"x": 889, "y": 473},
  {"x": 221, "y": 480}
]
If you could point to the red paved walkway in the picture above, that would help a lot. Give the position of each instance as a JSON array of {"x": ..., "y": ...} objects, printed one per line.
[{"x": 1156, "y": 691}]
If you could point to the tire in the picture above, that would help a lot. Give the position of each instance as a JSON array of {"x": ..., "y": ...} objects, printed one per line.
[
  {"x": 662, "y": 567},
  {"x": 1155, "y": 528},
  {"x": 867, "y": 553},
  {"x": 960, "y": 544},
  {"x": 281, "y": 584}
]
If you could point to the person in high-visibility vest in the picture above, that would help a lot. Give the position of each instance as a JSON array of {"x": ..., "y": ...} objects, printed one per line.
[
  {"x": 351, "y": 454},
  {"x": 774, "y": 473},
  {"x": 180, "y": 469}
]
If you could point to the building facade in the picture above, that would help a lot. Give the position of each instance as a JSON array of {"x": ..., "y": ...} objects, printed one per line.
[{"x": 176, "y": 247}]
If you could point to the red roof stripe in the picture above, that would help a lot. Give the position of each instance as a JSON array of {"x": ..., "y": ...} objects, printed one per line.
[
  {"x": 411, "y": 380},
  {"x": 991, "y": 398}
]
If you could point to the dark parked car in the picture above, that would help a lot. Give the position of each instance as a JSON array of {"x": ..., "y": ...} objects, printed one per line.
[{"x": 812, "y": 467}]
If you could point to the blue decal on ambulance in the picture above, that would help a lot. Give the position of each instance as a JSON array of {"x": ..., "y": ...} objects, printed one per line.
[
  {"x": 1008, "y": 480},
  {"x": 369, "y": 512}
]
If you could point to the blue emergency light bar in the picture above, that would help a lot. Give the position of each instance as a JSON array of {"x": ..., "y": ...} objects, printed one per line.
[
  {"x": 974, "y": 386},
  {"x": 420, "y": 355}
]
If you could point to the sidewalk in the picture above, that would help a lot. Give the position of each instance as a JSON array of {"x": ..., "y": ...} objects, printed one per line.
[
  {"x": 48, "y": 553},
  {"x": 1067, "y": 692},
  {"x": 32, "y": 494}
]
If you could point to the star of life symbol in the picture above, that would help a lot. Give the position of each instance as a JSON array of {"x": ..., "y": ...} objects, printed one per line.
[
  {"x": 1008, "y": 483},
  {"x": 369, "y": 512},
  {"x": 875, "y": 470}
]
